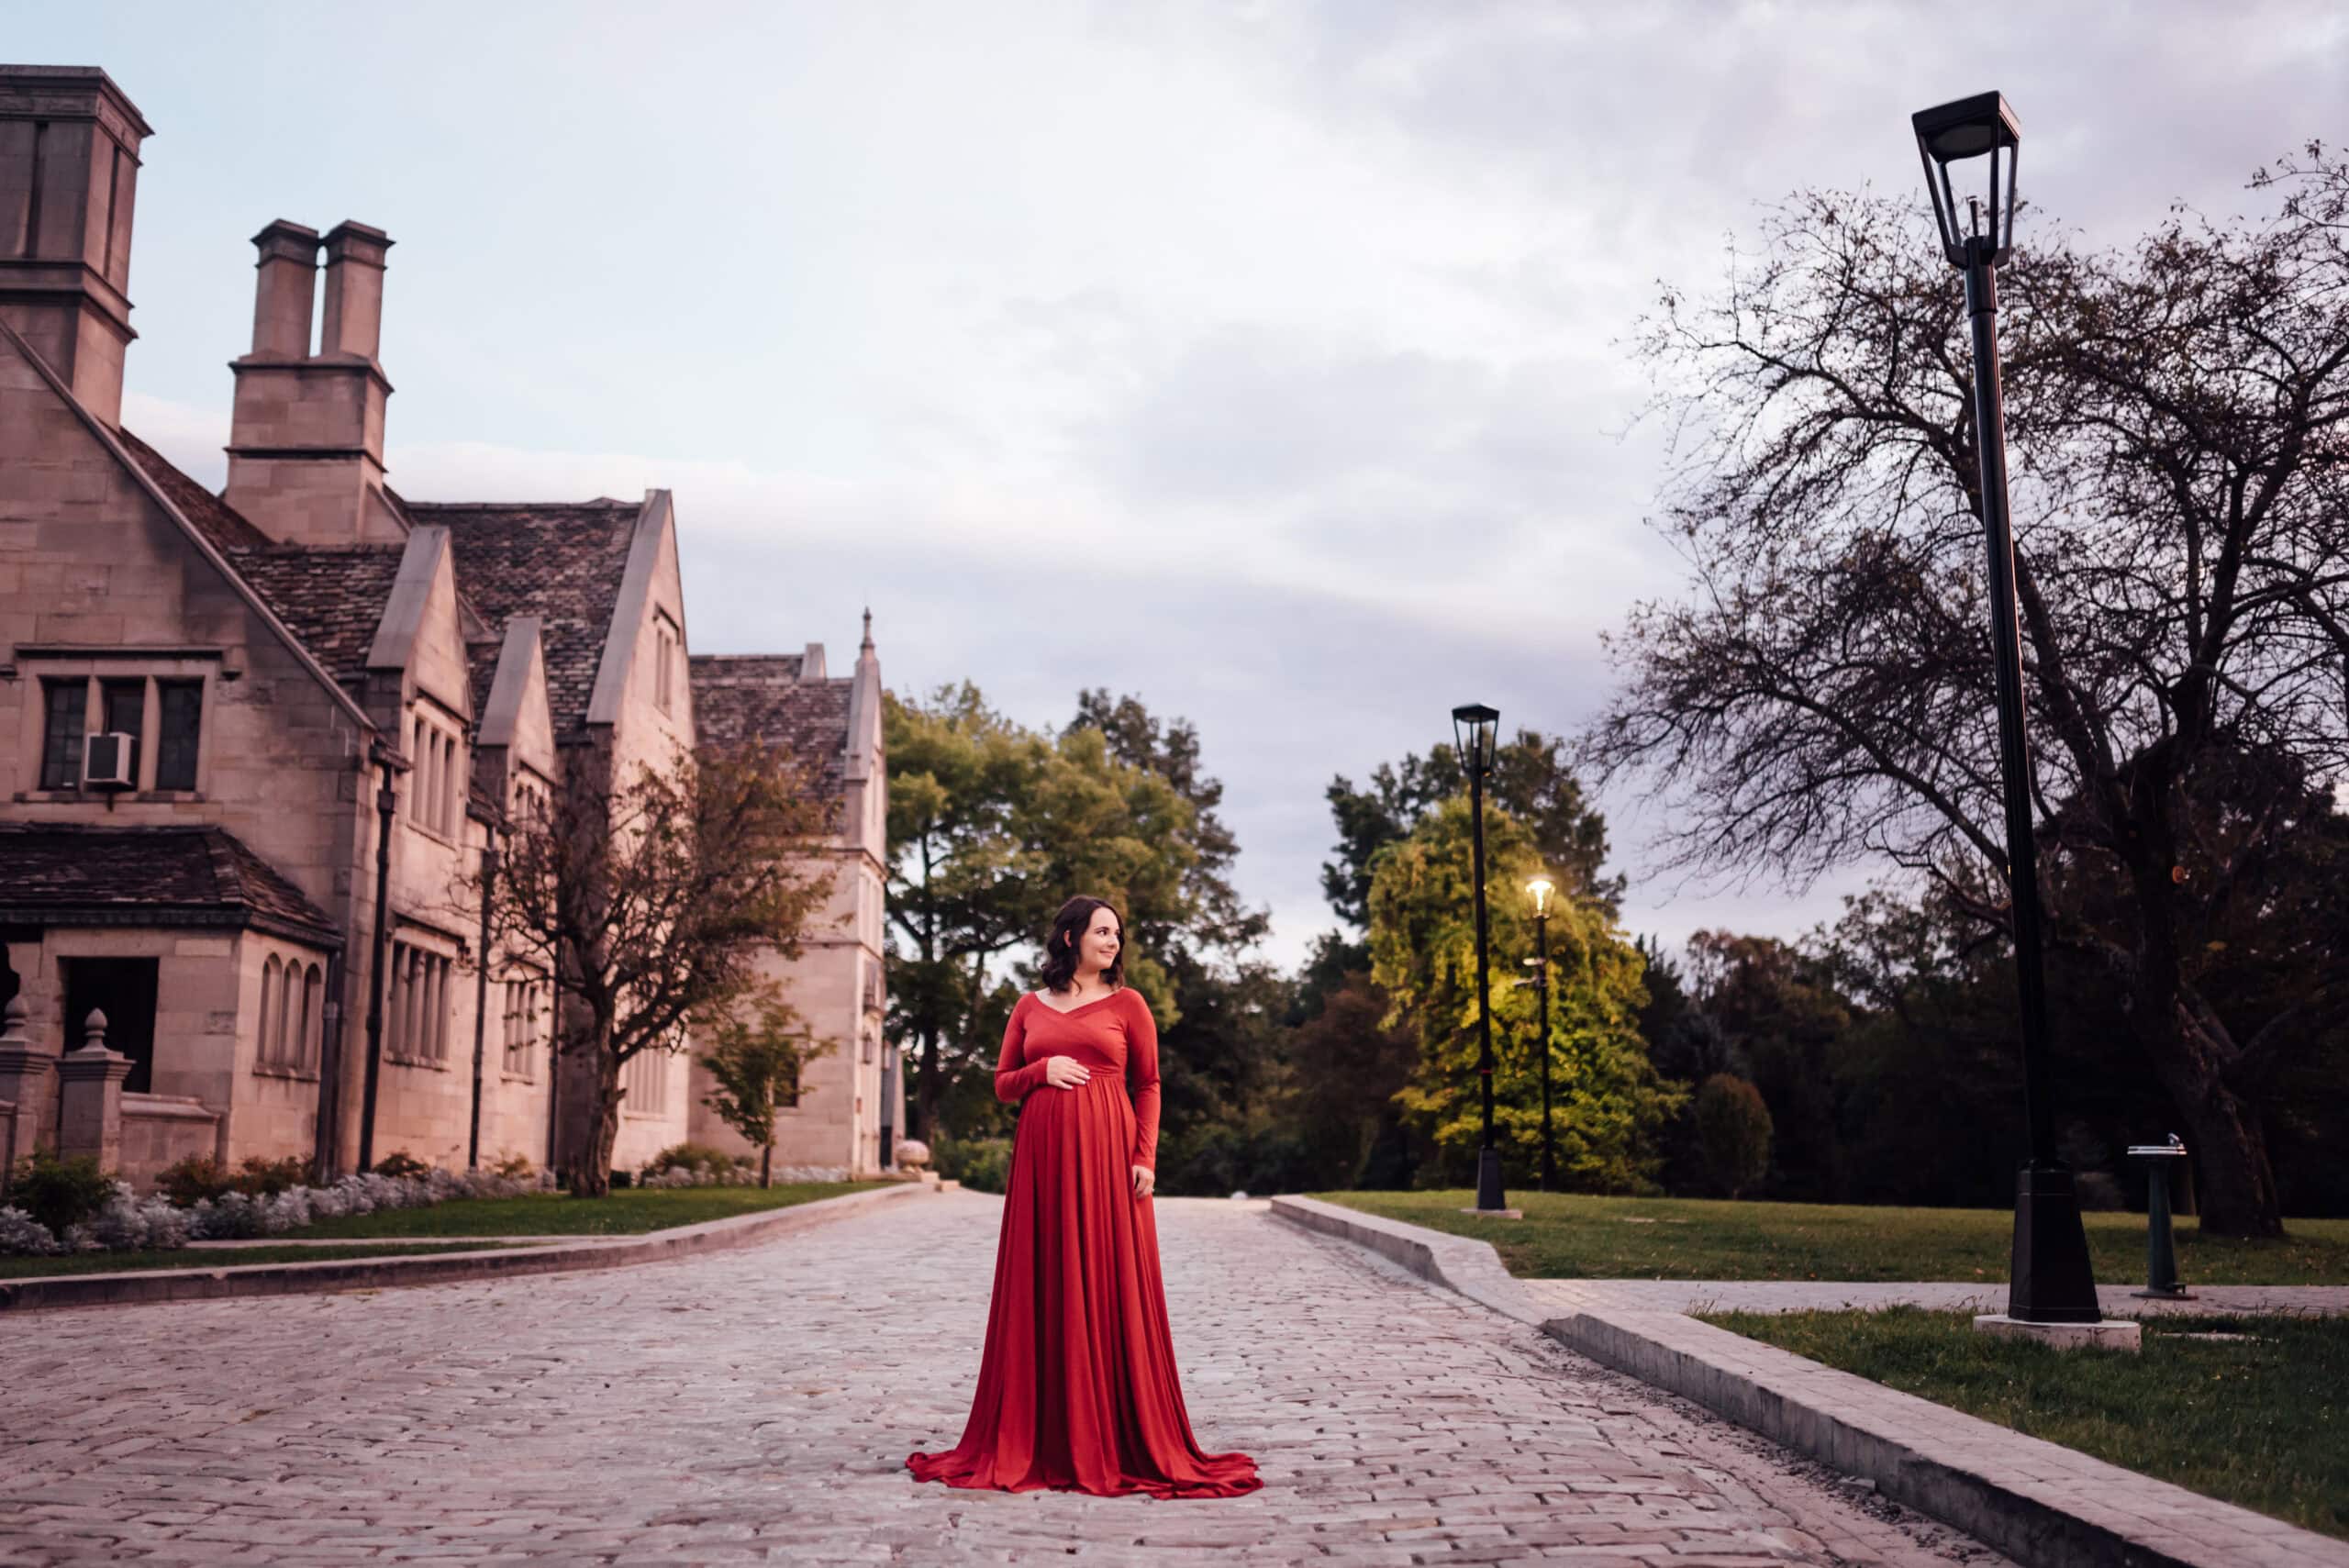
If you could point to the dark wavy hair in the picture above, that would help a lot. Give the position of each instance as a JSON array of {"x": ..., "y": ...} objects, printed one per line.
[{"x": 1068, "y": 928}]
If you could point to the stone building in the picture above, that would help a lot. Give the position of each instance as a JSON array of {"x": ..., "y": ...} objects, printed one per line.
[{"x": 254, "y": 745}]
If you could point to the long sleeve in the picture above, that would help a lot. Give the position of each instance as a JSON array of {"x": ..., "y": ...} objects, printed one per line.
[
  {"x": 1013, "y": 1082},
  {"x": 1142, "y": 1078}
]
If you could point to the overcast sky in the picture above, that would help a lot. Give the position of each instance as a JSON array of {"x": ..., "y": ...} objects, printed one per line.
[{"x": 1261, "y": 360}]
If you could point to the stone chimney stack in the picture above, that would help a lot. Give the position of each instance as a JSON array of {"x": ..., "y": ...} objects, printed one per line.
[
  {"x": 69, "y": 171},
  {"x": 354, "y": 290},
  {"x": 289, "y": 281},
  {"x": 306, "y": 443}
]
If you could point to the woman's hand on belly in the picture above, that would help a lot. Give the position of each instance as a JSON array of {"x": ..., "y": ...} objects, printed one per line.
[{"x": 1065, "y": 1071}]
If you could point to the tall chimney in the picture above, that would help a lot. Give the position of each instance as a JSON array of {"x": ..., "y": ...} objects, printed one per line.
[
  {"x": 306, "y": 442},
  {"x": 354, "y": 290},
  {"x": 289, "y": 277},
  {"x": 69, "y": 171}
]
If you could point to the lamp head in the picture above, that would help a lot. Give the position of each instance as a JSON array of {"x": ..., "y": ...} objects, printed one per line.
[
  {"x": 1476, "y": 729},
  {"x": 1981, "y": 127},
  {"x": 1541, "y": 887}
]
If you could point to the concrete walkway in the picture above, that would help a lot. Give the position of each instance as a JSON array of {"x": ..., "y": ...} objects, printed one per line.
[
  {"x": 1562, "y": 1296},
  {"x": 757, "y": 1406},
  {"x": 2052, "y": 1506}
]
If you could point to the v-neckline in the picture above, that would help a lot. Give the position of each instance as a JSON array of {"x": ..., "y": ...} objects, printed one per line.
[{"x": 1071, "y": 1012}]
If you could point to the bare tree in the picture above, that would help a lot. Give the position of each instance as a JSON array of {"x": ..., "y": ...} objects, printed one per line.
[
  {"x": 2176, "y": 414},
  {"x": 650, "y": 900}
]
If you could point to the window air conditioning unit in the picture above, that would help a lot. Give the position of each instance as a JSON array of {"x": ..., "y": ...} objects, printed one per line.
[{"x": 105, "y": 761}]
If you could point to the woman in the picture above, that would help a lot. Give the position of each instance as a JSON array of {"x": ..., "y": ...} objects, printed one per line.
[{"x": 1077, "y": 1388}]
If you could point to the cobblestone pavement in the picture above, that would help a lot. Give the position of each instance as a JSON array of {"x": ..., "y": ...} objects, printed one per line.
[{"x": 758, "y": 1405}]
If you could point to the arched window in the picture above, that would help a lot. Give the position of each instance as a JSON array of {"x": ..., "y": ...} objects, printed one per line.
[
  {"x": 265, "y": 1041},
  {"x": 314, "y": 988}
]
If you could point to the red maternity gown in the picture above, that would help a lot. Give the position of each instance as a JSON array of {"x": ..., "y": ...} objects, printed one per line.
[{"x": 1077, "y": 1389}]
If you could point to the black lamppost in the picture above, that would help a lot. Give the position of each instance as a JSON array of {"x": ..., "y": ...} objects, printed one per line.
[
  {"x": 1476, "y": 729},
  {"x": 2051, "y": 1281},
  {"x": 1541, "y": 888}
]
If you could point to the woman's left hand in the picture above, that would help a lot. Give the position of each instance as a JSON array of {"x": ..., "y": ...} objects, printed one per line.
[{"x": 1145, "y": 1181}]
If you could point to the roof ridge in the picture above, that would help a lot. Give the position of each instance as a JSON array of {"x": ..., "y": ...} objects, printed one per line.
[{"x": 603, "y": 502}]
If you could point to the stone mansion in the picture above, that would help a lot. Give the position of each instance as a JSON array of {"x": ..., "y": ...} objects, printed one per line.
[{"x": 254, "y": 746}]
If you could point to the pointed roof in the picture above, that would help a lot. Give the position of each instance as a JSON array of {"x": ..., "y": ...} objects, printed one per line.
[{"x": 560, "y": 562}]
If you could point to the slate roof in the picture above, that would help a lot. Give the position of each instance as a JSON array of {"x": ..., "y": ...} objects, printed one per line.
[
  {"x": 760, "y": 697},
  {"x": 333, "y": 596},
  {"x": 215, "y": 518},
  {"x": 561, "y": 562},
  {"x": 180, "y": 875}
]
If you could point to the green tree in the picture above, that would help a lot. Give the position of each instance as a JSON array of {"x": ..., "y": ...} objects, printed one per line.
[
  {"x": 1733, "y": 1130},
  {"x": 755, "y": 1058},
  {"x": 1610, "y": 1104},
  {"x": 1530, "y": 782},
  {"x": 992, "y": 827}
]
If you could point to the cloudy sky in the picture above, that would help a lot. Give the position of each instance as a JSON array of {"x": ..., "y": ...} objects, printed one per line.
[{"x": 1263, "y": 359}]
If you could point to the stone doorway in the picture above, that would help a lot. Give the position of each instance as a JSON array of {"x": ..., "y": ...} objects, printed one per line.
[{"x": 124, "y": 990}]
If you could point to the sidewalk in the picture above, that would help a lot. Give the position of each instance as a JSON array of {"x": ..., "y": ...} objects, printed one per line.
[
  {"x": 2044, "y": 1505},
  {"x": 494, "y": 1258},
  {"x": 1558, "y": 1297}
]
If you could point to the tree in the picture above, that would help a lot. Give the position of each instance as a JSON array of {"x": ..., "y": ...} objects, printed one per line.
[
  {"x": 965, "y": 881},
  {"x": 755, "y": 1060},
  {"x": 1608, "y": 1103},
  {"x": 1823, "y": 692},
  {"x": 1733, "y": 1130},
  {"x": 991, "y": 828},
  {"x": 649, "y": 899},
  {"x": 1530, "y": 781}
]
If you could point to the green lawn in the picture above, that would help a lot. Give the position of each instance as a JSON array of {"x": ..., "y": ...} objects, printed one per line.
[
  {"x": 2244, "y": 1420},
  {"x": 631, "y": 1211},
  {"x": 1565, "y": 1236},
  {"x": 205, "y": 1258}
]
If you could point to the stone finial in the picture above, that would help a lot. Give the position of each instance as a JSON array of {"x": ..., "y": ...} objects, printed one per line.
[
  {"x": 911, "y": 1154},
  {"x": 12, "y": 1020},
  {"x": 93, "y": 1031}
]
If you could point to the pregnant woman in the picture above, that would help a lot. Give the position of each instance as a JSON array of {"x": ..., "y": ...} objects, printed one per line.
[{"x": 1077, "y": 1389}]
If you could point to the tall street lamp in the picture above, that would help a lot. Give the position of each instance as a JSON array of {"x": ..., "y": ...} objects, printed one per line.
[
  {"x": 1541, "y": 887},
  {"x": 2051, "y": 1279},
  {"x": 1476, "y": 729}
]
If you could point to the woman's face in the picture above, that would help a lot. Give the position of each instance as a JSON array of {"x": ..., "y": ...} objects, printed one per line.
[{"x": 1097, "y": 947}]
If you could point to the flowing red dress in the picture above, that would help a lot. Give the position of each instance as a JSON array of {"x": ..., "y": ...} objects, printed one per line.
[{"x": 1077, "y": 1389}]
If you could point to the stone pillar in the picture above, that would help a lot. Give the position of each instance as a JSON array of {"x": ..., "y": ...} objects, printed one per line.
[
  {"x": 89, "y": 1099},
  {"x": 24, "y": 1078}
]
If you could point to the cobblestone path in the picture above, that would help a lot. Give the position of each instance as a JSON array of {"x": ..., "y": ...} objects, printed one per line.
[{"x": 758, "y": 1406}]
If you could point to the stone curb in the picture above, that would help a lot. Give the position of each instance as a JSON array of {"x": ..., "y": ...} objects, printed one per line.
[
  {"x": 575, "y": 1254},
  {"x": 2042, "y": 1504}
]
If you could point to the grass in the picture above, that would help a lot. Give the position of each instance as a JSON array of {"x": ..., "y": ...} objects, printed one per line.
[
  {"x": 631, "y": 1211},
  {"x": 1574, "y": 1237},
  {"x": 205, "y": 1258},
  {"x": 2246, "y": 1420}
]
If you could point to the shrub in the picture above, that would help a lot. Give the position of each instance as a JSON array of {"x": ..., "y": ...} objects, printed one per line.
[
  {"x": 699, "y": 1158},
  {"x": 400, "y": 1163},
  {"x": 514, "y": 1168},
  {"x": 1732, "y": 1133},
  {"x": 129, "y": 1224},
  {"x": 267, "y": 1178},
  {"x": 190, "y": 1181},
  {"x": 983, "y": 1164},
  {"x": 60, "y": 1194}
]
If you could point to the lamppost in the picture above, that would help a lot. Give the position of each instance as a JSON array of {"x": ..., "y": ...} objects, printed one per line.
[
  {"x": 1541, "y": 887},
  {"x": 1476, "y": 729},
  {"x": 2051, "y": 1279}
]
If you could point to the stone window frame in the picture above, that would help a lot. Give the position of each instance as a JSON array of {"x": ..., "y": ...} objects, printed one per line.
[
  {"x": 293, "y": 1013},
  {"x": 648, "y": 1070},
  {"x": 95, "y": 668},
  {"x": 436, "y": 784},
  {"x": 523, "y": 1013},
  {"x": 668, "y": 641},
  {"x": 417, "y": 995}
]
